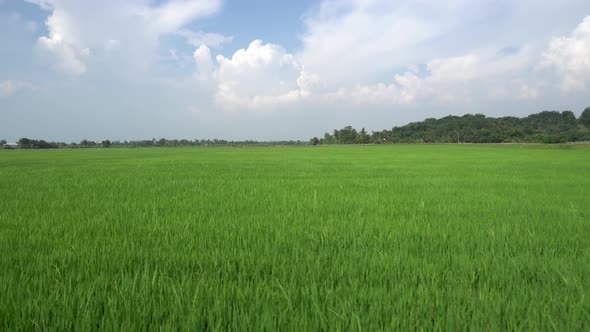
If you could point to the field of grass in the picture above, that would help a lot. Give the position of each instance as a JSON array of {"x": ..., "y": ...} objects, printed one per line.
[{"x": 433, "y": 237}]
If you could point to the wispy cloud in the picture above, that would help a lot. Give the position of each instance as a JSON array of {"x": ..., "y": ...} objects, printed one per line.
[{"x": 9, "y": 88}]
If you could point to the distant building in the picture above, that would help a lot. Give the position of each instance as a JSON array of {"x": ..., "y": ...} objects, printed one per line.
[{"x": 11, "y": 145}]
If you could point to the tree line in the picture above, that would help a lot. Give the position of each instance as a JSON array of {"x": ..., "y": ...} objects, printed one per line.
[
  {"x": 27, "y": 143},
  {"x": 543, "y": 127}
]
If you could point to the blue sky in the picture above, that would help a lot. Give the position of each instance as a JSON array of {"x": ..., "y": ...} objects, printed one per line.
[
  {"x": 135, "y": 69},
  {"x": 274, "y": 21}
]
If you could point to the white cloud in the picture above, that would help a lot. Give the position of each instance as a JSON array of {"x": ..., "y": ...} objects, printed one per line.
[
  {"x": 469, "y": 51},
  {"x": 9, "y": 88},
  {"x": 265, "y": 76},
  {"x": 79, "y": 29},
  {"x": 44, "y": 4},
  {"x": 174, "y": 14},
  {"x": 261, "y": 76},
  {"x": 570, "y": 58},
  {"x": 64, "y": 57},
  {"x": 355, "y": 40},
  {"x": 204, "y": 38},
  {"x": 482, "y": 75},
  {"x": 204, "y": 62},
  {"x": 484, "y": 72}
]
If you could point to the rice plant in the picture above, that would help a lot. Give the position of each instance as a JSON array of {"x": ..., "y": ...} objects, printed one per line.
[{"x": 406, "y": 237}]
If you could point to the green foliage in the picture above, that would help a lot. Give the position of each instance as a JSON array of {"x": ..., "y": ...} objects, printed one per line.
[
  {"x": 87, "y": 144},
  {"x": 346, "y": 135},
  {"x": 314, "y": 141},
  {"x": 372, "y": 238},
  {"x": 363, "y": 137},
  {"x": 585, "y": 118},
  {"x": 26, "y": 143},
  {"x": 544, "y": 127}
]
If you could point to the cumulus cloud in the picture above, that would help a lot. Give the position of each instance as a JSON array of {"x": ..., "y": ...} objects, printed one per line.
[
  {"x": 9, "y": 88},
  {"x": 570, "y": 58},
  {"x": 261, "y": 75},
  {"x": 204, "y": 62},
  {"x": 63, "y": 56},
  {"x": 79, "y": 29}
]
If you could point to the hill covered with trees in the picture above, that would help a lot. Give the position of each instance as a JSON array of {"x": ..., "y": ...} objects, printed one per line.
[{"x": 544, "y": 127}]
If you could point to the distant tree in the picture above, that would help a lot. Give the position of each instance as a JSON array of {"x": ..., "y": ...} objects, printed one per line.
[
  {"x": 2, "y": 141},
  {"x": 363, "y": 137},
  {"x": 568, "y": 121},
  {"x": 585, "y": 117},
  {"x": 106, "y": 144},
  {"x": 25, "y": 143},
  {"x": 346, "y": 135},
  {"x": 41, "y": 144},
  {"x": 87, "y": 144},
  {"x": 314, "y": 141}
]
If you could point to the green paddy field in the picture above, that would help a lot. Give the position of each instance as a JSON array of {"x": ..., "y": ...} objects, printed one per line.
[{"x": 405, "y": 237}]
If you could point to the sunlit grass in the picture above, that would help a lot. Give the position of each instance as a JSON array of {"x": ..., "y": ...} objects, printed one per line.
[{"x": 443, "y": 237}]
